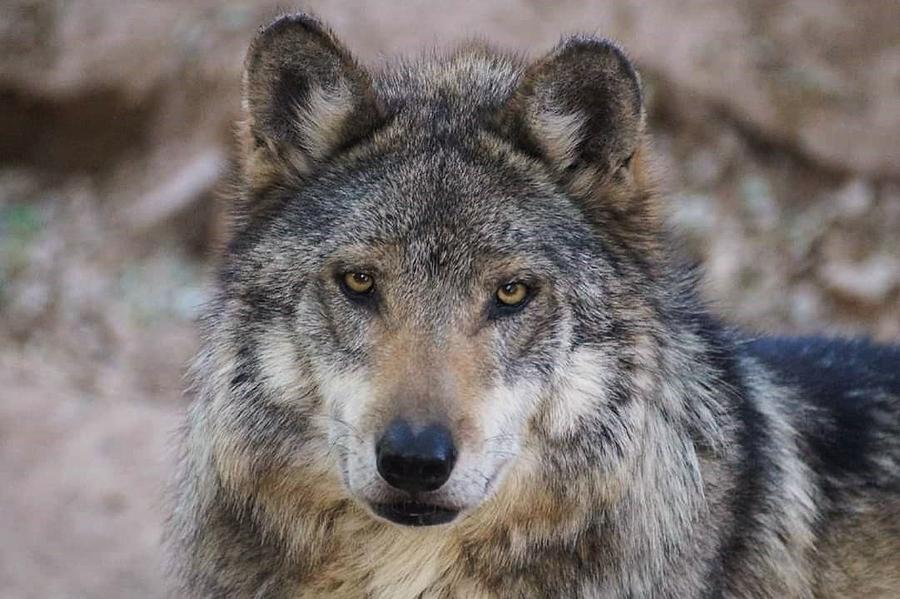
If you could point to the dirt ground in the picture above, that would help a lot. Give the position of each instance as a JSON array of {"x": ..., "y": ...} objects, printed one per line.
[{"x": 776, "y": 126}]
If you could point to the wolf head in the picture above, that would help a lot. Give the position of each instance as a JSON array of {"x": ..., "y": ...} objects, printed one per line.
[{"x": 432, "y": 273}]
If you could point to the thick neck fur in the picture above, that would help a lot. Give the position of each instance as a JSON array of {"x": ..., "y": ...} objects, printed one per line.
[{"x": 625, "y": 489}]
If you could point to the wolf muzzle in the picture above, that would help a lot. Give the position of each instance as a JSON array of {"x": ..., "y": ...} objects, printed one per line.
[{"x": 415, "y": 462}]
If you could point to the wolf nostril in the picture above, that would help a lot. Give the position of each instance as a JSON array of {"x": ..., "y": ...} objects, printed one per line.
[{"x": 415, "y": 462}]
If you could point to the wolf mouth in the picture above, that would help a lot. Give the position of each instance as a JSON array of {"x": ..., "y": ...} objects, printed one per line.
[{"x": 412, "y": 513}]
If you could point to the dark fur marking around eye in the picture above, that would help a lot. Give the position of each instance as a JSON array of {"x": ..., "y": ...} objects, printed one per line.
[
  {"x": 497, "y": 309},
  {"x": 368, "y": 298}
]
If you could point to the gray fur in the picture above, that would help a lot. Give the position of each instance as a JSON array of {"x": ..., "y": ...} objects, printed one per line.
[{"x": 615, "y": 441}]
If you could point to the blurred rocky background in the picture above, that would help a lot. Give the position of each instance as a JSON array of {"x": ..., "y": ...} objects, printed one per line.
[{"x": 776, "y": 122}]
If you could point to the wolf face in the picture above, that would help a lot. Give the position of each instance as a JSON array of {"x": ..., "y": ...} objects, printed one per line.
[
  {"x": 425, "y": 265},
  {"x": 430, "y": 369}
]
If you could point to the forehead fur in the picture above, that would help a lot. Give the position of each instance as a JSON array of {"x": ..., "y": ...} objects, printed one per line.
[
  {"x": 448, "y": 92},
  {"x": 435, "y": 174},
  {"x": 448, "y": 171}
]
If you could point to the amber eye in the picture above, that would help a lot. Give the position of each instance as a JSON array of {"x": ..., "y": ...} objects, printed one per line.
[
  {"x": 512, "y": 294},
  {"x": 358, "y": 282}
]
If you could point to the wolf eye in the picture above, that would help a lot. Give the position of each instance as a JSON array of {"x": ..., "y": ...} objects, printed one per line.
[
  {"x": 358, "y": 282},
  {"x": 512, "y": 294}
]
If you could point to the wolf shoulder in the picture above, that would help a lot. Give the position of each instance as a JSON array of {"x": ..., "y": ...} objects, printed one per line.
[
  {"x": 846, "y": 379},
  {"x": 831, "y": 370},
  {"x": 844, "y": 399}
]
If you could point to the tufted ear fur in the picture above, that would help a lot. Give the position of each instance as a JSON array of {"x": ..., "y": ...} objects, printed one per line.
[
  {"x": 580, "y": 105},
  {"x": 304, "y": 99},
  {"x": 579, "y": 109}
]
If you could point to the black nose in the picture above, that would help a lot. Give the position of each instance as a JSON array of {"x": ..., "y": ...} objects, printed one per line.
[{"x": 415, "y": 462}]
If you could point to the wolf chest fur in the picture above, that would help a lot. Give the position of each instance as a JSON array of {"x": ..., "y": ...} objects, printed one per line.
[{"x": 452, "y": 353}]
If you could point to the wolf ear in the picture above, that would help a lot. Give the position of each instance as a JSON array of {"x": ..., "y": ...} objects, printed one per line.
[
  {"x": 304, "y": 98},
  {"x": 580, "y": 110}
]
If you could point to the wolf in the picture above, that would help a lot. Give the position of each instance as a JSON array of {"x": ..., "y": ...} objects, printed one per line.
[{"x": 453, "y": 353}]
